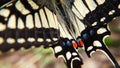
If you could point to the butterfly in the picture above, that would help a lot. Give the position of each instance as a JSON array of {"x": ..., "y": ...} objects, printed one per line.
[{"x": 62, "y": 25}]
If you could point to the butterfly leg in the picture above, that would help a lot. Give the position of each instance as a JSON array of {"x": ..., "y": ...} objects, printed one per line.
[{"x": 64, "y": 49}]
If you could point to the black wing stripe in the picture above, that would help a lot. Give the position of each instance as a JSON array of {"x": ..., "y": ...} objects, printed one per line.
[
  {"x": 86, "y": 5},
  {"x": 98, "y": 16},
  {"x": 18, "y": 4},
  {"x": 97, "y": 3},
  {"x": 27, "y": 6},
  {"x": 80, "y": 8},
  {"x": 45, "y": 12},
  {"x": 43, "y": 19},
  {"x": 27, "y": 38},
  {"x": 33, "y": 4}
]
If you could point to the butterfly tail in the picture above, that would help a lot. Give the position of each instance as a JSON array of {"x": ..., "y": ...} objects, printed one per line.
[
  {"x": 64, "y": 49},
  {"x": 110, "y": 57}
]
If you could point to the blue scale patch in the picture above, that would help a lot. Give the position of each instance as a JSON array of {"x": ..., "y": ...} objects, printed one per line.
[
  {"x": 92, "y": 32},
  {"x": 85, "y": 36}
]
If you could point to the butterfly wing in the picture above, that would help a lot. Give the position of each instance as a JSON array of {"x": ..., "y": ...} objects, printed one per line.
[
  {"x": 94, "y": 40},
  {"x": 24, "y": 24},
  {"x": 65, "y": 50},
  {"x": 96, "y": 15},
  {"x": 28, "y": 23}
]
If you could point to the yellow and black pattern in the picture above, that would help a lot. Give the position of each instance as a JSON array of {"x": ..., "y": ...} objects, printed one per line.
[
  {"x": 24, "y": 26},
  {"x": 32, "y": 23},
  {"x": 63, "y": 25},
  {"x": 96, "y": 12}
]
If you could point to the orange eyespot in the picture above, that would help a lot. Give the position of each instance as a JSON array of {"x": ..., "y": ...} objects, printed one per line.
[
  {"x": 80, "y": 43},
  {"x": 74, "y": 45}
]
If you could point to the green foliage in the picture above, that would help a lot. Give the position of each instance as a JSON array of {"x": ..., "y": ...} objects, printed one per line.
[
  {"x": 43, "y": 51},
  {"x": 112, "y": 43},
  {"x": 108, "y": 41},
  {"x": 46, "y": 56},
  {"x": 4, "y": 66}
]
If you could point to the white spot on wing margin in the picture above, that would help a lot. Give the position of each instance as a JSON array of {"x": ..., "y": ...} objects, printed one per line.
[
  {"x": 97, "y": 43},
  {"x": 58, "y": 49},
  {"x": 10, "y": 40},
  {"x": 68, "y": 55},
  {"x": 101, "y": 30}
]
